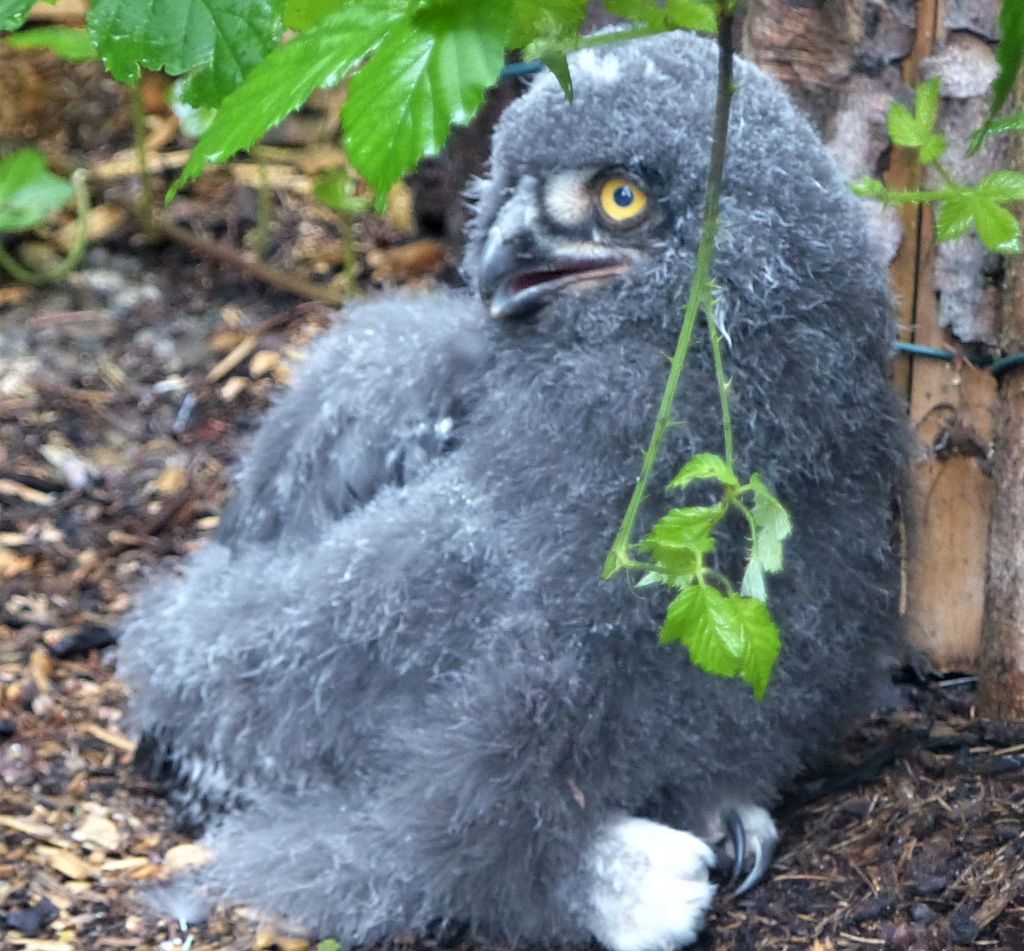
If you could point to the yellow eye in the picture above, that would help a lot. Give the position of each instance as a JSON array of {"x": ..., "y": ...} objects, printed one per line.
[{"x": 622, "y": 200}]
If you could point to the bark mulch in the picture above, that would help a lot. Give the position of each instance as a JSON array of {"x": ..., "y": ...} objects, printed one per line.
[{"x": 119, "y": 416}]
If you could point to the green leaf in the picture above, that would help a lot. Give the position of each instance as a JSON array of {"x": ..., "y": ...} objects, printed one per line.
[
  {"x": 1002, "y": 186},
  {"x": 956, "y": 217},
  {"x": 704, "y": 465},
  {"x": 674, "y": 15},
  {"x": 14, "y": 12},
  {"x": 689, "y": 527},
  {"x": 681, "y": 538},
  {"x": 286, "y": 78},
  {"x": 701, "y": 619},
  {"x": 1011, "y": 123},
  {"x": 558, "y": 62},
  {"x": 772, "y": 525},
  {"x": 903, "y": 127},
  {"x": 424, "y": 77},
  {"x": 725, "y": 636},
  {"x": 763, "y": 642},
  {"x": 916, "y": 130},
  {"x": 691, "y": 15},
  {"x": 329, "y": 944},
  {"x": 193, "y": 120},
  {"x": 754, "y": 584},
  {"x": 538, "y": 19},
  {"x": 76, "y": 46},
  {"x": 645, "y": 12},
  {"x": 997, "y": 228},
  {"x": 339, "y": 190},
  {"x": 224, "y": 39},
  {"x": 1009, "y": 52},
  {"x": 926, "y": 107},
  {"x": 933, "y": 148},
  {"x": 29, "y": 191},
  {"x": 552, "y": 48},
  {"x": 302, "y": 14}
]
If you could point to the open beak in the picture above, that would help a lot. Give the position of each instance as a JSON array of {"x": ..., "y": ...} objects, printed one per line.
[{"x": 518, "y": 276}]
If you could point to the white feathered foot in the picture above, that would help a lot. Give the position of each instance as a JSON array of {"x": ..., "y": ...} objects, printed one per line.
[{"x": 651, "y": 888}]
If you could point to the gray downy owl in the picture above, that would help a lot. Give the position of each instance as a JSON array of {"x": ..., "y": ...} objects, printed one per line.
[{"x": 395, "y": 688}]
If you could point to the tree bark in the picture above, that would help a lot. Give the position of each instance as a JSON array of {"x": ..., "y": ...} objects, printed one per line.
[
  {"x": 845, "y": 62},
  {"x": 1001, "y": 684}
]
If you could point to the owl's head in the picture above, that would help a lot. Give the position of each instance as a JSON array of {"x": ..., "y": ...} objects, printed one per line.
[{"x": 591, "y": 216}]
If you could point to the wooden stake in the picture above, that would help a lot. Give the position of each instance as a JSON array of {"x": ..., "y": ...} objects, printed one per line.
[
  {"x": 1002, "y": 647},
  {"x": 952, "y": 412}
]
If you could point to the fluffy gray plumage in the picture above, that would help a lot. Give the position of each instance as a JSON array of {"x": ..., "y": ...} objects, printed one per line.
[{"x": 397, "y": 668}]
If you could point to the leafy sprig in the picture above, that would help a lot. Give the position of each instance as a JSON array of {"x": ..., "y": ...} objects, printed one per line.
[
  {"x": 916, "y": 129},
  {"x": 726, "y": 632},
  {"x": 426, "y": 66},
  {"x": 962, "y": 208}
]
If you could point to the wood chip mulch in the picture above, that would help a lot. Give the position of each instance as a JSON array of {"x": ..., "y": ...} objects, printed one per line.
[{"x": 116, "y": 431}]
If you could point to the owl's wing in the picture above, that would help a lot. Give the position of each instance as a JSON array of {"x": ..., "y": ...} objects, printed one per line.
[{"x": 381, "y": 396}]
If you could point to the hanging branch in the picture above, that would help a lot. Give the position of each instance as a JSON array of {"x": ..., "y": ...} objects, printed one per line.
[{"x": 700, "y": 294}]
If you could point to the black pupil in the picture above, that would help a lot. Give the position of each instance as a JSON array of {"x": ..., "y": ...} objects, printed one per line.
[{"x": 623, "y": 196}]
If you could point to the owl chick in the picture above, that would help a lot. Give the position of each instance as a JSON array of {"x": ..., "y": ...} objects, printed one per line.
[{"x": 395, "y": 687}]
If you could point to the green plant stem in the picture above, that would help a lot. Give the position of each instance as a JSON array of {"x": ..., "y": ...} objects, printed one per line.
[
  {"x": 349, "y": 253},
  {"x": 75, "y": 253},
  {"x": 146, "y": 214},
  {"x": 745, "y": 512},
  {"x": 261, "y": 235},
  {"x": 618, "y": 556},
  {"x": 917, "y": 197},
  {"x": 723, "y": 383},
  {"x": 722, "y": 579}
]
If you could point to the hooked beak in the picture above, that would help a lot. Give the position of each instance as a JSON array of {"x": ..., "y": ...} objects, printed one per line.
[{"x": 518, "y": 277}]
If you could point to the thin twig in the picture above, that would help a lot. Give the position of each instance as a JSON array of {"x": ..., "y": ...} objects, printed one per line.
[
  {"x": 264, "y": 211},
  {"x": 249, "y": 264},
  {"x": 145, "y": 210},
  {"x": 723, "y": 385}
]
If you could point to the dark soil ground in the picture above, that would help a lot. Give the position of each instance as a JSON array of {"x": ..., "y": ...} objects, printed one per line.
[{"x": 125, "y": 394}]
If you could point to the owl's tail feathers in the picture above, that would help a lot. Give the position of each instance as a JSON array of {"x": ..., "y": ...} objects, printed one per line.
[
  {"x": 357, "y": 864},
  {"x": 312, "y": 861}
]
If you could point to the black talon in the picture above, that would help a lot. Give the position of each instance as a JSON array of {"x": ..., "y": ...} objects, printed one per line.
[
  {"x": 738, "y": 839},
  {"x": 763, "y": 854}
]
